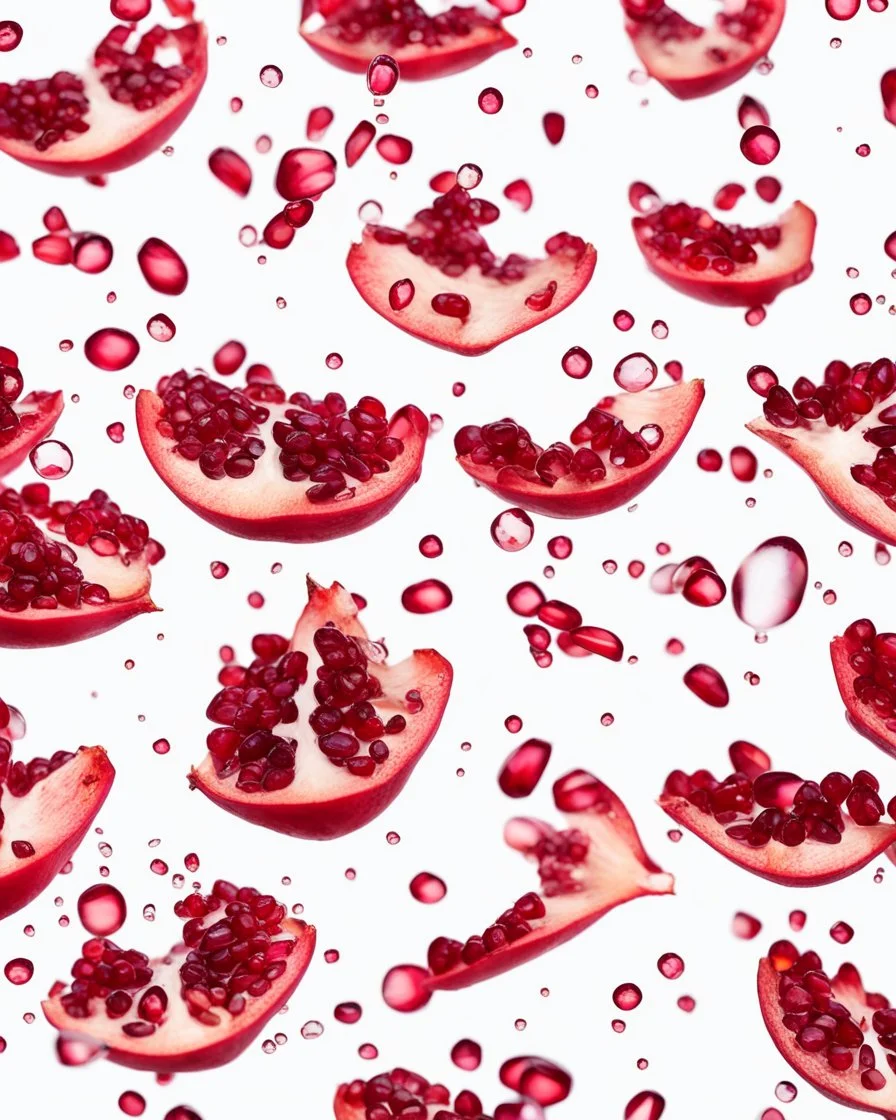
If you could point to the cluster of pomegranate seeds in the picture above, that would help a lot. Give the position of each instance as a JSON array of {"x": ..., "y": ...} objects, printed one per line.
[
  {"x": 40, "y": 573},
  {"x": 407, "y": 1095},
  {"x": 251, "y": 704},
  {"x": 447, "y": 236},
  {"x": 229, "y": 960},
  {"x": 693, "y": 237},
  {"x": 320, "y": 441},
  {"x": 11, "y": 385},
  {"x": 822, "y": 1024},
  {"x": 344, "y": 717},
  {"x": 669, "y": 25},
  {"x": 873, "y": 656},
  {"x": 399, "y": 23},
  {"x": 504, "y": 443},
  {"x": 43, "y": 111},
  {"x": 136, "y": 79},
  {"x": 846, "y": 396},
  {"x": 19, "y": 778},
  {"x": 790, "y": 811}
]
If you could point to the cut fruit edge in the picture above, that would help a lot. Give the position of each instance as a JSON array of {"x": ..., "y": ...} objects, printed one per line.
[
  {"x": 38, "y": 413},
  {"x": 861, "y": 717}
]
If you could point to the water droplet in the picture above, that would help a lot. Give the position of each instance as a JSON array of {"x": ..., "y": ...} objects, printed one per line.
[
  {"x": 270, "y": 76},
  {"x": 860, "y": 303},
  {"x": 312, "y": 1029},
  {"x": 770, "y": 583},
  {"x": 469, "y": 176},
  {"x": 10, "y": 35},
  {"x": 635, "y": 373},
  {"x": 51, "y": 459},
  {"x": 161, "y": 328},
  {"x": 512, "y": 530}
]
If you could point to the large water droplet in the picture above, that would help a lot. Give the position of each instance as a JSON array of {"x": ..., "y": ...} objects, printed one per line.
[{"x": 769, "y": 585}]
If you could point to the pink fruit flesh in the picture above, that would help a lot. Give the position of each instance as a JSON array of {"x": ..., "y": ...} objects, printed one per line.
[
  {"x": 621, "y": 446},
  {"x": 842, "y": 434},
  {"x": 400, "y": 1091},
  {"x": 865, "y": 667},
  {"x": 24, "y": 421},
  {"x": 594, "y": 864},
  {"x": 262, "y": 465},
  {"x": 692, "y": 61},
  {"x": 69, "y": 570},
  {"x": 727, "y": 264},
  {"x": 349, "y": 35},
  {"x": 836, "y": 1035},
  {"x": 797, "y": 833},
  {"x": 47, "y": 805},
  {"x": 200, "y": 1006},
  {"x": 465, "y": 298},
  {"x": 106, "y": 119},
  {"x": 334, "y": 758}
]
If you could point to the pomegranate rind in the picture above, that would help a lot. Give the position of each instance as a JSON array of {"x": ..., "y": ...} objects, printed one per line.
[
  {"x": 251, "y": 507},
  {"x": 861, "y": 717},
  {"x": 498, "y": 310},
  {"x": 31, "y": 629},
  {"x": 807, "y": 865},
  {"x": 54, "y": 818},
  {"x": 183, "y": 1044},
  {"x": 617, "y": 870},
  {"x": 416, "y": 62},
  {"x": 674, "y": 408},
  {"x": 842, "y": 1087},
  {"x": 750, "y": 285},
  {"x": 683, "y": 66},
  {"x": 123, "y": 141},
  {"x": 350, "y": 802},
  {"x": 856, "y": 504},
  {"x": 38, "y": 413}
]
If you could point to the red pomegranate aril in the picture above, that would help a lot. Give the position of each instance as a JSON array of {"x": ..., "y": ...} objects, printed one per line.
[{"x": 232, "y": 170}]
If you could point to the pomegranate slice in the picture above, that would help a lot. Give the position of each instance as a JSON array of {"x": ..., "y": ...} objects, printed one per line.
[
  {"x": 69, "y": 570},
  {"x": 401, "y": 1092},
  {"x": 201, "y": 1005},
  {"x": 692, "y": 61},
  {"x": 865, "y": 667},
  {"x": 622, "y": 445},
  {"x": 800, "y": 834},
  {"x": 330, "y": 764},
  {"x": 842, "y": 434},
  {"x": 438, "y": 280},
  {"x": 349, "y": 33},
  {"x": 586, "y": 869},
  {"x": 46, "y": 808},
  {"x": 726, "y": 264},
  {"x": 836, "y": 1035},
  {"x": 23, "y": 422},
  {"x": 123, "y": 107},
  {"x": 262, "y": 465}
]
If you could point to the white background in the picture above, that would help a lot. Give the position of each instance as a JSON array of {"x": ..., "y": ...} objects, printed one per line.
[{"x": 717, "y": 1061}]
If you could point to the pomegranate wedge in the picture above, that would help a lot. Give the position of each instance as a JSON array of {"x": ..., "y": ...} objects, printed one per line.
[
  {"x": 594, "y": 864},
  {"x": 865, "y": 667},
  {"x": 732, "y": 265},
  {"x": 259, "y": 464},
  {"x": 692, "y": 61},
  {"x": 451, "y": 290},
  {"x": 24, "y": 421},
  {"x": 349, "y": 33},
  {"x": 836, "y": 1035},
  {"x": 46, "y": 808},
  {"x": 399, "y": 1092},
  {"x": 69, "y": 570},
  {"x": 622, "y": 445},
  {"x": 843, "y": 435},
  {"x": 322, "y": 767},
  {"x": 800, "y": 834},
  {"x": 124, "y": 105},
  {"x": 201, "y": 1005}
]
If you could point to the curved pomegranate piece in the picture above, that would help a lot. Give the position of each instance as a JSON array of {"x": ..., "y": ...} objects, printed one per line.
[
  {"x": 46, "y": 808},
  {"x": 728, "y": 264},
  {"x": 622, "y": 445},
  {"x": 586, "y": 869},
  {"x": 328, "y": 763},
  {"x": 24, "y": 421},
  {"x": 69, "y": 570},
  {"x": 266, "y": 466},
  {"x": 842, "y": 434},
  {"x": 865, "y": 667},
  {"x": 400, "y": 1091},
  {"x": 452, "y": 290},
  {"x": 122, "y": 108},
  {"x": 692, "y": 61},
  {"x": 800, "y": 834},
  {"x": 239, "y": 960},
  {"x": 836, "y": 1035},
  {"x": 349, "y": 33}
]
